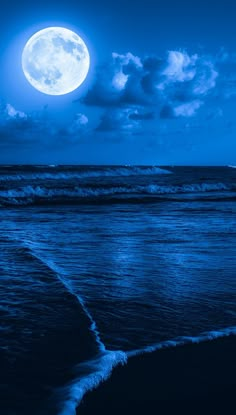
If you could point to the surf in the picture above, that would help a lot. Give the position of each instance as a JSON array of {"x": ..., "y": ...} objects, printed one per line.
[{"x": 33, "y": 195}]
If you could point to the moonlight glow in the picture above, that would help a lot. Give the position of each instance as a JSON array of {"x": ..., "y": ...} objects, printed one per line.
[{"x": 55, "y": 61}]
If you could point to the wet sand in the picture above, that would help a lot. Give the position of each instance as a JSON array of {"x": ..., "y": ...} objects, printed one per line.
[{"x": 170, "y": 379}]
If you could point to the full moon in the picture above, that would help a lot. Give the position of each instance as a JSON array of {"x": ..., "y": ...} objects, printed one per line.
[{"x": 55, "y": 61}]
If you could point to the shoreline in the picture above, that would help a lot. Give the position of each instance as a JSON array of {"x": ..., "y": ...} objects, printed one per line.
[{"x": 192, "y": 372}]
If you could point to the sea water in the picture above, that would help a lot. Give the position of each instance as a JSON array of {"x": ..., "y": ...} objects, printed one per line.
[{"x": 101, "y": 263}]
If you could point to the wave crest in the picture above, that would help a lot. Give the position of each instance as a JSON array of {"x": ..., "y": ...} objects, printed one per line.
[
  {"x": 83, "y": 174},
  {"x": 30, "y": 195}
]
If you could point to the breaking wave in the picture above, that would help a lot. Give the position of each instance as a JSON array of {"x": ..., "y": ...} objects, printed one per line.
[
  {"x": 84, "y": 173},
  {"x": 30, "y": 195}
]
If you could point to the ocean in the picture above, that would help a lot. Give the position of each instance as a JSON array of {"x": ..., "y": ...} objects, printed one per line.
[{"x": 98, "y": 264}]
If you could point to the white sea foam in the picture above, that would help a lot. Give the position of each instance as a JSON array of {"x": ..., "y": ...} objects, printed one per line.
[
  {"x": 100, "y": 368},
  {"x": 31, "y": 194},
  {"x": 107, "y": 172},
  {"x": 182, "y": 340}
]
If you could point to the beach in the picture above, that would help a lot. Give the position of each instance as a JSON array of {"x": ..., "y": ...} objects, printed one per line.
[{"x": 169, "y": 377}]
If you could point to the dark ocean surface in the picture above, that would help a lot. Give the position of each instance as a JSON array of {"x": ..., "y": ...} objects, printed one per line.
[{"x": 101, "y": 263}]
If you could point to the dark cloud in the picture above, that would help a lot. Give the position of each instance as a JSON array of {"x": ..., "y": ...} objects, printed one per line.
[
  {"x": 138, "y": 116},
  {"x": 167, "y": 112},
  {"x": 179, "y": 82},
  {"x": 17, "y": 128},
  {"x": 119, "y": 120},
  {"x": 131, "y": 90},
  {"x": 117, "y": 83},
  {"x": 126, "y": 121}
]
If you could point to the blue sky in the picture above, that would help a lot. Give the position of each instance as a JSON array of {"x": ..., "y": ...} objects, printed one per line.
[{"x": 161, "y": 87}]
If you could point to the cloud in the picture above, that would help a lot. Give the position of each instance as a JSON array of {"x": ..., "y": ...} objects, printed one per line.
[
  {"x": 8, "y": 112},
  {"x": 175, "y": 86},
  {"x": 78, "y": 127},
  {"x": 13, "y": 113},
  {"x": 186, "y": 83},
  {"x": 136, "y": 115},
  {"x": 128, "y": 79},
  {"x": 167, "y": 112},
  {"x": 117, "y": 82},
  {"x": 15, "y": 125},
  {"x": 193, "y": 75},
  {"x": 126, "y": 121},
  {"x": 187, "y": 110},
  {"x": 119, "y": 120},
  {"x": 180, "y": 67},
  {"x": 17, "y": 128}
]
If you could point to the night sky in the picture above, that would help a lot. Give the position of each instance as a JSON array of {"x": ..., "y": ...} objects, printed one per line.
[{"x": 161, "y": 88}]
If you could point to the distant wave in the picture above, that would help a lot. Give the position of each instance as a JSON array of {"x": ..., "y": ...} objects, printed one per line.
[
  {"x": 30, "y": 195},
  {"x": 83, "y": 174}
]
